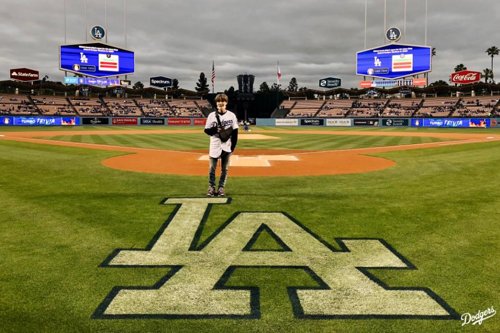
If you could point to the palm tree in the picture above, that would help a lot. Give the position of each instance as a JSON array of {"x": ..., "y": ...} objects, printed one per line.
[
  {"x": 426, "y": 75},
  {"x": 487, "y": 74},
  {"x": 460, "y": 67},
  {"x": 492, "y": 51}
]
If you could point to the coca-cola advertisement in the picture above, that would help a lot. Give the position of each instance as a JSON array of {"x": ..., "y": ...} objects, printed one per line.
[{"x": 465, "y": 77}]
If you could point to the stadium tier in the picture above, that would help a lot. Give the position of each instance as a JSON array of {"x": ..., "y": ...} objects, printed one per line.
[
  {"x": 113, "y": 107},
  {"x": 402, "y": 107},
  {"x": 305, "y": 108},
  {"x": 335, "y": 108},
  {"x": 481, "y": 106},
  {"x": 54, "y": 106},
  {"x": 437, "y": 107},
  {"x": 367, "y": 108},
  {"x": 89, "y": 107},
  {"x": 17, "y": 105}
]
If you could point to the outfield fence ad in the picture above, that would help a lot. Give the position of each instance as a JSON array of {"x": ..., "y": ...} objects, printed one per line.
[
  {"x": 451, "y": 122},
  {"x": 286, "y": 122},
  {"x": 38, "y": 121}
]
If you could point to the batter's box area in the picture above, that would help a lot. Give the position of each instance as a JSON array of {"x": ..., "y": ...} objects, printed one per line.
[{"x": 255, "y": 161}]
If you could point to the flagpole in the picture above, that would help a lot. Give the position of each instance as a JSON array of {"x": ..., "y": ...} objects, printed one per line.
[
  {"x": 278, "y": 75},
  {"x": 213, "y": 76}
]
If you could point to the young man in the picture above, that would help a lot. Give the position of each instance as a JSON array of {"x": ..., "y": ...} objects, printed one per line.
[{"x": 217, "y": 122}]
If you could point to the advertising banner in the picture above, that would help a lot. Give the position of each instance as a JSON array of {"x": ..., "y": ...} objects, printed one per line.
[
  {"x": 24, "y": 74},
  {"x": 91, "y": 81},
  {"x": 265, "y": 122},
  {"x": 451, "y": 122},
  {"x": 495, "y": 122},
  {"x": 160, "y": 81},
  {"x": 287, "y": 122},
  {"x": 40, "y": 121},
  {"x": 339, "y": 122},
  {"x": 179, "y": 121},
  {"x": 312, "y": 122},
  {"x": 365, "y": 122},
  {"x": 395, "y": 122},
  {"x": 95, "y": 121},
  {"x": 152, "y": 121},
  {"x": 200, "y": 121},
  {"x": 330, "y": 82},
  {"x": 5, "y": 121},
  {"x": 420, "y": 82},
  {"x": 465, "y": 77},
  {"x": 124, "y": 121}
]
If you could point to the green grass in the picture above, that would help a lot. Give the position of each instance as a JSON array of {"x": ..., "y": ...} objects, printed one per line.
[
  {"x": 182, "y": 141},
  {"x": 63, "y": 213}
]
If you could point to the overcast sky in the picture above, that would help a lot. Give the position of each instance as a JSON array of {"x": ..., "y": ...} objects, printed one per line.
[{"x": 311, "y": 39}]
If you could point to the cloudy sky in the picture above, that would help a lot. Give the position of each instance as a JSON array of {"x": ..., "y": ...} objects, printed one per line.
[{"x": 311, "y": 39}]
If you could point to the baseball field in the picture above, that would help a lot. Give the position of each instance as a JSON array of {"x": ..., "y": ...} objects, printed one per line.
[{"x": 108, "y": 229}]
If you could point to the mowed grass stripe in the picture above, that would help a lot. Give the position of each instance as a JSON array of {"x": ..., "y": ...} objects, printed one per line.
[{"x": 285, "y": 141}]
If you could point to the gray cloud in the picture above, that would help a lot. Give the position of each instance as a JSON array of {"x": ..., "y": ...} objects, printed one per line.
[{"x": 311, "y": 39}]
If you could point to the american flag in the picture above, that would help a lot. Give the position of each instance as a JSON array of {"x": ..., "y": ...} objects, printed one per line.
[{"x": 213, "y": 75}]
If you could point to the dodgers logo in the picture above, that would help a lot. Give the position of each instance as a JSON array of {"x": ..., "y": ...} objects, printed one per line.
[{"x": 195, "y": 286}]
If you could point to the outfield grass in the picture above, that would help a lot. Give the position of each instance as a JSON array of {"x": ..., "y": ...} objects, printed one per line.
[
  {"x": 181, "y": 141},
  {"x": 63, "y": 214}
]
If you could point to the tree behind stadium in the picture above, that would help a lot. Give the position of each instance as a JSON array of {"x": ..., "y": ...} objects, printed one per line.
[{"x": 202, "y": 85}]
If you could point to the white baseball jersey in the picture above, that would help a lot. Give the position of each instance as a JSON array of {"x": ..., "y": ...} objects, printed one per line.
[{"x": 228, "y": 119}]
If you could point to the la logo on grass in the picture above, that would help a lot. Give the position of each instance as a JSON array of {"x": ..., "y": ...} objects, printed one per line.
[{"x": 195, "y": 286}]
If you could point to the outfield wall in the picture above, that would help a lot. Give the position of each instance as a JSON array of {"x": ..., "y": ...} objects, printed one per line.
[
  {"x": 278, "y": 122},
  {"x": 383, "y": 122}
]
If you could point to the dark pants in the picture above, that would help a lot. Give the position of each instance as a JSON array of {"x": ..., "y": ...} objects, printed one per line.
[{"x": 224, "y": 161}]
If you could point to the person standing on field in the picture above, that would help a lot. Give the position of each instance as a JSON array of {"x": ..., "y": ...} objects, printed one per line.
[{"x": 222, "y": 143}]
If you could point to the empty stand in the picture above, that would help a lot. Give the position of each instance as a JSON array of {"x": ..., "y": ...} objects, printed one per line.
[
  {"x": 437, "y": 107},
  {"x": 123, "y": 107},
  {"x": 17, "y": 105},
  {"x": 367, "y": 108},
  {"x": 404, "y": 107},
  {"x": 185, "y": 108},
  {"x": 54, "y": 106},
  {"x": 89, "y": 106},
  {"x": 305, "y": 108},
  {"x": 481, "y": 106},
  {"x": 335, "y": 108}
]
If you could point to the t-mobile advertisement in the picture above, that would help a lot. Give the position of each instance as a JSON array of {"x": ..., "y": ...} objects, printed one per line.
[
  {"x": 451, "y": 122},
  {"x": 39, "y": 121}
]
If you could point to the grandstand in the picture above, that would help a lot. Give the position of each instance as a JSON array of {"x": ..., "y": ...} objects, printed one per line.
[
  {"x": 335, "y": 108},
  {"x": 54, "y": 106},
  {"x": 401, "y": 107},
  {"x": 437, "y": 107},
  {"x": 89, "y": 106},
  {"x": 483, "y": 106},
  {"x": 471, "y": 106},
  {"x": 367, "y": 108},
  {"x": 185, "y": 108},
  {"x": 305, "y": 108},
  {"x": 123, "y": 108},
  {"x": 17, "y": 105},
  {"x": 173, "y": 108}
]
